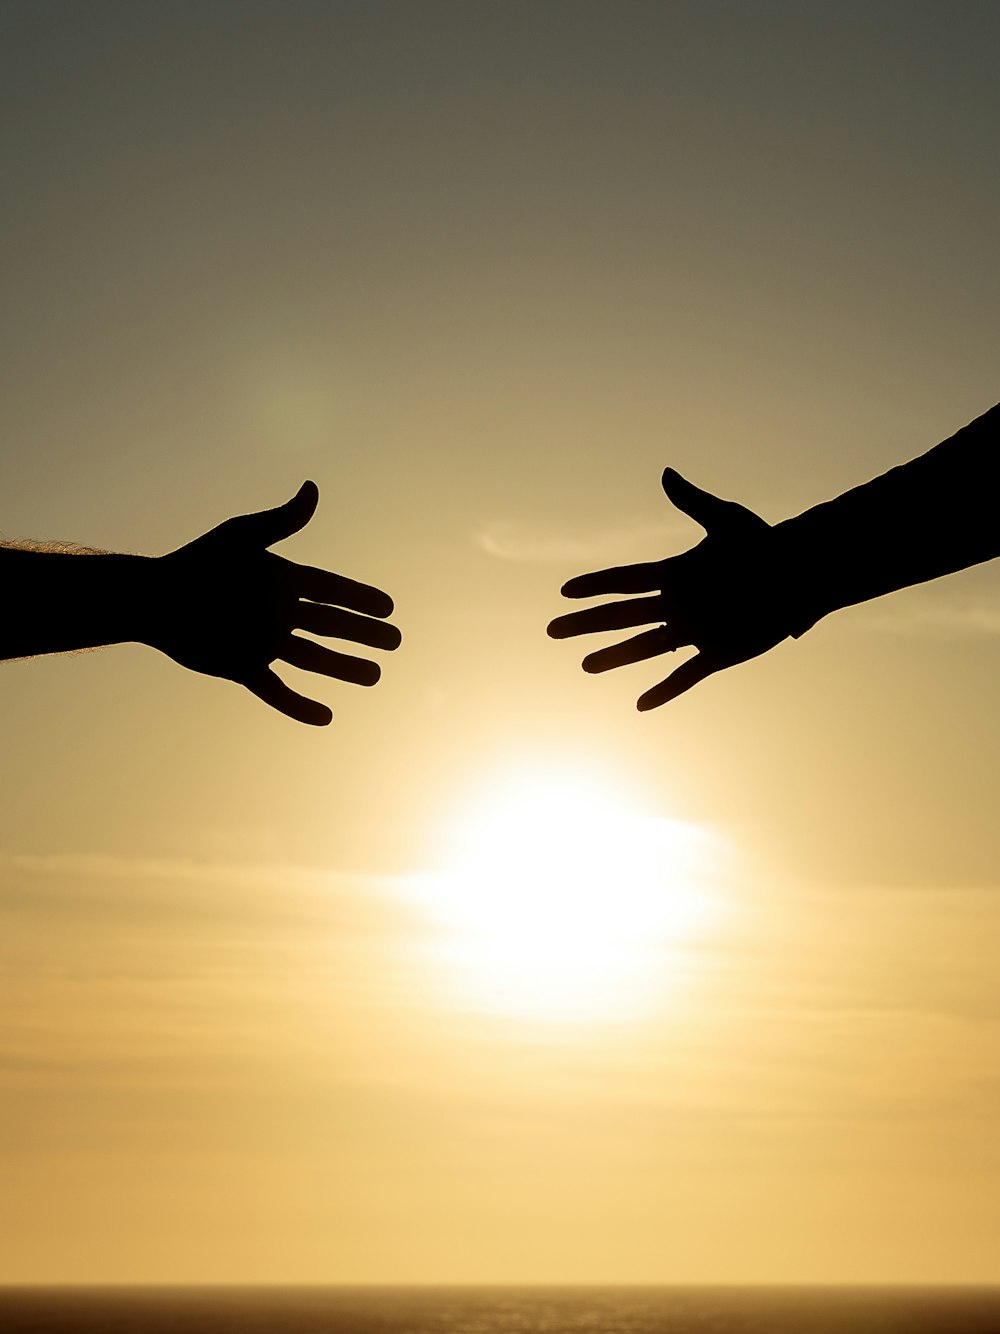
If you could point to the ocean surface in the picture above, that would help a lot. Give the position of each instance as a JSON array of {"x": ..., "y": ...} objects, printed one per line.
[{"x": 473, "y": 1310}]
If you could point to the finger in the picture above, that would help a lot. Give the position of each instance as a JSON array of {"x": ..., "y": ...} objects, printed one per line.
[
  {"x": 649, "y": 644},
  {"x": 712, "y": 513},
  {"x": 320, "y": 619},
  {"x": 325, "y": 586},
  {"x": 621, "y": 579},
  {"x": 269, "y": 687},
  {"x": 612, "y": 616},
  {"x": 702, "y": 506},
  {"x": 270, "y": 526},
  {"x": 688, "y": 674},
  {"x": 312, "y": 657}
]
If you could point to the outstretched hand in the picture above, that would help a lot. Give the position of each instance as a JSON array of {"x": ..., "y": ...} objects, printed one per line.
[
  {"x": 723, "y": 597},
  {"x": 228, "y": 607}
]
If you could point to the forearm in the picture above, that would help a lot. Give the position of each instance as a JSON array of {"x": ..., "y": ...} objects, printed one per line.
[
  {"x": 60, "y": 601},
  {"x": 929, "y": 517}
]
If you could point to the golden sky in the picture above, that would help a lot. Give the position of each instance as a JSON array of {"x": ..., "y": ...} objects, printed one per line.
[{"x": 274, "y": 1007}]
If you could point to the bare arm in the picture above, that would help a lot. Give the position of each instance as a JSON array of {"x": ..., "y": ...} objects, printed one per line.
[
  {"x": 223, "y": 605},
  {"x": 59, "y": 598},
  {"x": 929, "y": 517},
  {"x": 747, "y": 585}
]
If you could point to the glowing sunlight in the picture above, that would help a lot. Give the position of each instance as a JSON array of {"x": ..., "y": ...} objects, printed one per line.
[{"x": 560, "y": 897}]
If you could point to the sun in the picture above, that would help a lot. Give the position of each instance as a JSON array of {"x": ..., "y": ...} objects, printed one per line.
[{"x": 561, "y": 897}]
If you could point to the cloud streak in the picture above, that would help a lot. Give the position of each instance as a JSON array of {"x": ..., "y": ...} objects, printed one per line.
[
  {"x": 936, "y": 616},
  {"x": 112, "y": 888},
  {"x": 528, "y": 543}
]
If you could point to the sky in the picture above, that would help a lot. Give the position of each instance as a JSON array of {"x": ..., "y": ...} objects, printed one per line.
[{"x": 281, "y": 1004}]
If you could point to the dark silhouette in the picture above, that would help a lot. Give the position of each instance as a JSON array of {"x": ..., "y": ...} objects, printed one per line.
[
  {"x": 747, "y": 585},
  {"x": 223, "y": 605}
]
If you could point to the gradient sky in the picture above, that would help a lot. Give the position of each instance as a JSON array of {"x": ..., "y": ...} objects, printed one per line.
[{"x": 481, "y": 270}]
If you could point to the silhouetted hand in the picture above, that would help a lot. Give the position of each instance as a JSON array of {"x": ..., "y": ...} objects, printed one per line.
[
  {"x": 228, "y": 607},
  {"x": 725, "y": 596}
]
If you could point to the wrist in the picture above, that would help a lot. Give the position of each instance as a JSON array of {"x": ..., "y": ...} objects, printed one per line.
[
  {"x": 802, "y": 571},
  {"x": 125, "y": 601},
  {"x": 141, "y": 596}
]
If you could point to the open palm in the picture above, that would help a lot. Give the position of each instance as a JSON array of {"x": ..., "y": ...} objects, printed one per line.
[
  {"x": 229, "y": 607},
  {"x": 722, "y": 596}
]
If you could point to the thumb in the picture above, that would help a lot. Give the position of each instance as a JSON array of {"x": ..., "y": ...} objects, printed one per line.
[
  {"x": 270, "y": 526},
  {"x": 708, "y": 510},
  {"x": 702, "y": 506}
]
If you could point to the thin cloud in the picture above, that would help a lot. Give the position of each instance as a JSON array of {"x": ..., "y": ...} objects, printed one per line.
[
  {"x": 529, "y": 543},
  {"x": 936, "y": 617},
  {"x": 105, "y": 866},
  {"x": 175, "y": 889}
]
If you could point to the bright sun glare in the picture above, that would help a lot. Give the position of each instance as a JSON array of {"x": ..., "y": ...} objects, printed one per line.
[{"x": 561, "y": 898}]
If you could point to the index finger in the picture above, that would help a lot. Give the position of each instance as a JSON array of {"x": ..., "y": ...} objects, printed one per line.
[
  {"x": 642, "y": 578},
  {"x": 317, "y": 585}
]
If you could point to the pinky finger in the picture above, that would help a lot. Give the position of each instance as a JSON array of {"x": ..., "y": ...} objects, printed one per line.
[
  {"x": 688, "y": 674},
  {"x": 269, "y": 687}
]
